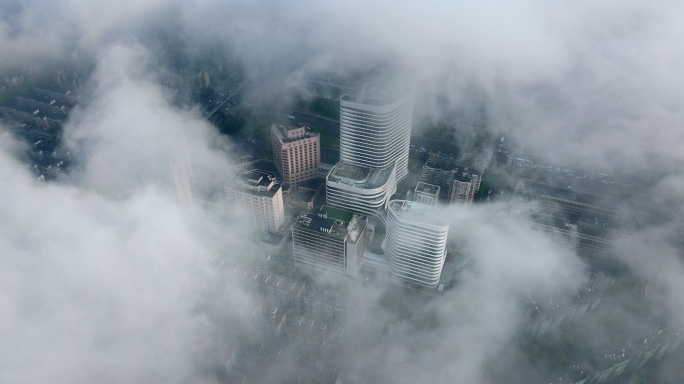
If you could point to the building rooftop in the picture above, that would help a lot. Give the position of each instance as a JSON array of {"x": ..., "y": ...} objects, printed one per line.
[
  {"x": 375, "y": 94},
  {"x": 334, "y": 213},
  {"x": 334, "y": 224},
  {"x": 427, "y": 188},
  {"x": 417, "y": 212},
  {"x": 463, "y": 176},
  {"x": 258, "y": 182},
  {"x": 321, "y": 223},
  {"x": 360, "y": 177},
  {"x": 289, "y": 133},
  {"x": 439, "y": 165},
  {"x": 275, "y": 283}
]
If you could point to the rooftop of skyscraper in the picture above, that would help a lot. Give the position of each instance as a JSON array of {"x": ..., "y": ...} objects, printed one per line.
[
  {"x": 374, "y": 93},
  {"x": 360, "y": 177},
  {"x": 417, "y": 212}
]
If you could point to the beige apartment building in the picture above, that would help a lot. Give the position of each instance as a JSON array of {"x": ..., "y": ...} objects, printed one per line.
[{"x": 296, "y": 153}]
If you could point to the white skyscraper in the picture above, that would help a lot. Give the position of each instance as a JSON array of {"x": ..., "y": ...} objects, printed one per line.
[
  {"x": 415, "y": 245},
  {"x": 375, "y": 128}
]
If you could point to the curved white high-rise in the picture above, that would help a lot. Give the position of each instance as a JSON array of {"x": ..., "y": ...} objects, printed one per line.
[
  {"x": 375, "y": 129},
  {"x": 415, "y": 244},
  {"x": 360, "y": 189}
]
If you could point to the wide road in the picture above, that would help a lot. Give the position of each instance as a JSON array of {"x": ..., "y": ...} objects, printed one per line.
[{"x": 228, "y": 97}]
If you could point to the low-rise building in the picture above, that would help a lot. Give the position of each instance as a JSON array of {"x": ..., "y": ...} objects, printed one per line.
[
  {"x": 458, "y": 178},
  {"x": 325, "y": 243},
  {"x": 304, "y": 197},
  {"x": 260, "y": 193},
  {"x": 426, "y": 193}
]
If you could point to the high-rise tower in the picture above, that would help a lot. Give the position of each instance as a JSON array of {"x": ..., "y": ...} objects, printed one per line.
[
  {"x": 416, "y": 242},
  {"x": 375, "y": 128}
]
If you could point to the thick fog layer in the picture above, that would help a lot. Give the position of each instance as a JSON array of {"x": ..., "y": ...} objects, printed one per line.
[{"x": 107, "y": 278}]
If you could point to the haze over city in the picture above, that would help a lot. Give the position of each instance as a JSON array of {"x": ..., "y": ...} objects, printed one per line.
[{"x": 341, "y": 192}]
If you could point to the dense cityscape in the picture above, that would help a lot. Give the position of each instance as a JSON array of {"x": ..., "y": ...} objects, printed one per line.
[{"x": 216, "y": 205}]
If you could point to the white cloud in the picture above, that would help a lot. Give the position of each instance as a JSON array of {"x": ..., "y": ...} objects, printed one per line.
[{"x": 102, "y": 283}]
